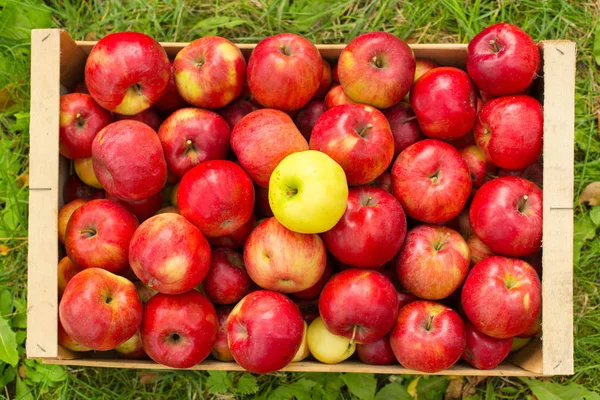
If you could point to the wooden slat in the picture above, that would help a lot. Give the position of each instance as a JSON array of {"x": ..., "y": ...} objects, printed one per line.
[
  {"x": 72, "y": 60},
  {"x": 529, "y": 357},
  {"x": 42, "y": 292},
  {"x": 557, "y": 242}
]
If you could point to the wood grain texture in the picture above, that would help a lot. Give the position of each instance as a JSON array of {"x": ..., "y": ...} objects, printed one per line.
[
  {"x": 557, "y": 241},
  {"x": 72, "y": 60}
]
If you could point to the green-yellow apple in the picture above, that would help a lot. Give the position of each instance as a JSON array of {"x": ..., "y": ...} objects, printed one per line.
[
  {"x": 308, "y": 192},
  {"x": 519, "y": 343},
  {"x": 85, "y": 172},
  {"x": 326, "y": 346},
  {"x": 303, "y": 351}
]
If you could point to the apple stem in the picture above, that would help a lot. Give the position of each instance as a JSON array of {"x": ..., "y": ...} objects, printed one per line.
[
  {"x": 522, "y": 203},
  {"x": 405, "y": 120},
  {"x": 495, "y": 46},
  {"x": 78, "y": 115},
  {"x": 353, "y": 335},
  {"x": 90, "y": 231},
  {"x": 364, "y": 130},
  {"x": 429, "y": 322},
  {"x": 369, "y": 200},
  {"x": 377, "y": 62}
]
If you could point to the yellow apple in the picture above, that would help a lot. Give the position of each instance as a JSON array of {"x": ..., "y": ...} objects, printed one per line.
[
  {"x": 85, "y": 172},
  {"x": 303, "y": 351},
  {"x": 519, "y": 343},
  {"x": 326, "y": 346},
  {"x": 308, "y": 192}
]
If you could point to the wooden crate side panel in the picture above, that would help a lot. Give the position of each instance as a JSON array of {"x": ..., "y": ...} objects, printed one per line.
[{"x": 557, "y": 242}]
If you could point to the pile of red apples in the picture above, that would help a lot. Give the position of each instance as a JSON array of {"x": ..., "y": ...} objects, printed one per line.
[{"x": 280, "y": 209}]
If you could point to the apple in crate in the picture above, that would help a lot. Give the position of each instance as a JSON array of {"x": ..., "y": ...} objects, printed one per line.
[
  {"x": 308, "y": 115},
  {"x": 98, "y": 235},
  {"x": 227, "y": 280},
  {"x": 422, "y": 66},
  {"x": 534, "y": 330},
  {"x": 433, "y": 262},
  {"x": 431, "y": 180},
  {"x": 506, "y": 214},
  {"x": 67, "y": 269},
  {"x": 233, "y": 112},
  {"x": 74, "y": 188},
  {"x": 404, "y": 126},
  {"x": 314, "y": 291},
  {"x": 221, "y": 349},
  {"x": 209, "y": 72},
  {"x": 326, "y": 82},
  {"x": 81, "y": 118},
  {"x": 64, "y": 215},
  {"x": 328, "y": 347},
  {"x": 336, "y": 97},
  {"x": 127, "y": 72},
  {"x": 67, "y": 341},
  {"x": 144, "y": 291},
  {"x": 479, "y": 167},
  {"x": 85, "y": 171},
  {"x": 482, "y": 351},
  {"x": 284, "y": 71},
  {"x": 169, "y": 254},
  {"x": 132, "y": 348},
  {"x": 376, "y": 68},
  {"x": 509, "y": 131},
  {"x": 303, "y": 350},
  {"x": 479, "y": 250},
  {"x": 262, "y": 139},
  {"x": 308, "y": 192},
  {"x": 502, "y": 59},
  {"x": 359, "y": 304},
  {"x": 180, "y": 330},
  {"x": 149, "y": 117},
  {"x": 371, "y": 231},
  {"x": 265, "y": 331},
  {"x": 502, "y": 296},
  {"x": 235, "y": 239},
  {"x": 428, "y": 337},
  {"x": 128, "y": 160},
  {"x": 358, "y": 137},
  {"x": 170, "y": 100},
  {"x": 279, "y": 259},
  {"x": 445, "y": 103},
  {"x": 142, "y": 209},
  {"x": 217, "y": 196},
  {"x": 190, "y": 136},
  {"x": 377, "y": 353},
  {"x": 99, "y": 309}
]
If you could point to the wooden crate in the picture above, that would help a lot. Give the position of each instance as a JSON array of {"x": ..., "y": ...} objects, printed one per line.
[{"x": 58, "y": 60}]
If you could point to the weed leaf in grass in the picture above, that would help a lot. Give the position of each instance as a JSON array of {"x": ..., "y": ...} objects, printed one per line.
[
  {"x": 5, "y": 302},
  {"x": 584, "y": 229},
  {"x": 490, "y": 391},
  {"x": 23, "y": 392},
  {"x": 8, "y": 344},
  {"x": 218, "y": 382},
  {"x": 393, "y": 391},
  {"x": 327, "y": 385},
  {"x": 432, "y": 388},
  {"x": 19, "y": 17},
  {"x": 47, "y": 374},
  {"x": 7, "y": 374},
  {"x": 595, "y": 215},
  {"x": 362, "y": 386},
  {"x": 299, "y": 390},
  {"x": 246, "y": 384},
  {"x": 554, "y": 391}
]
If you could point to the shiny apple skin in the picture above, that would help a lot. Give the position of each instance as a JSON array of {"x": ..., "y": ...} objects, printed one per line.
[
  {"x": 360, "y": 304},
  {"x": 358, "y": 137},
  {"x": 404, "y": 125},
  {"x": 377, "y": 353},
  {"x": 142, "y": 209},
  {"x": 494, "y": 308},
  {"x": 107, "y": 246},
  {"x": 99, "y": 309},
  {"x": 227, "y": 280},
  {"x": 235, "y": 111},
  {"x": 120, "y": 61},
  {"x": 314, "y": 291},
  {"x": 190, "y": 136},
  {"x": 149, "y": 117},
  {"x": 509, "y": 131},
  {"x": 502, "y": 59},
  {"x": 370, "y": 232},
  {"x": 265, "y": 331},
  {"x": 288, "y": 58},
  {"x": 170, "y": 100},
  {"x": 326, "y": 81},
  {"x": 179, "y": 331},
  {"x": 81, "y": 118},
  {"x": 235, "y": 239},
  {"x": 67, "y": 341},
  {"x": 221, "y": 349},
  {"x": 308, "y": 115},
  {"x": 445, "y": 103},
  {"x": 423, "y": 195},
  {"x": 216, "y": 208},
  {"x": 74, "y": 188},
  {"x": 483, "y": 351},
  {"x": 425, "y": 350},
  {"x": 506, "y": 214},
  {"x": 337, "y": 97},
  {"x": 433, "y": 262}
]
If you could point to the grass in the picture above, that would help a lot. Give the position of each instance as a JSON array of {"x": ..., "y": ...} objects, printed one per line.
[{"x": 427, "y": 21}]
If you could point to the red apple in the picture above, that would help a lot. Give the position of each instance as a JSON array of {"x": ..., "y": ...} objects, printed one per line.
[
  {"x": 478, "y": 249},
  {"x": 404, "y": 125},
  {"x": 74, "y": 188},
  {"x": 422, "y": 66},
  {"x": 502, "y": 59},
  {"x": 168, "y": 209},
  {"x": 80, "y": 120},
  {"x": 190, "y": 136},
  {"x": 149, "y": 117},
  {"x": 169, "y": 254},
  {"x": 132, "y": 348},
  {"x": 279, "y": 259},
  {"x": 144, "y": 291},
  {"x": 326, "y": 81},
  {"x": 235, "y": 111},
  {"x": 336, "y": 97},
  {"x": 533, "y": 173},
  {"x": 265, "y": 331},
  {"x": 383, "y": 181},
  {"x": 509, "y": 131},
  {"x": 263, "y": 208},
  {"x": 477, "y": 163},
  {"x": 506, "y": 214},
  {"x": 180, "y": 330},
  {"x": 209, "y": 72},
  {"x": 308, "y": 115},
  {"x": 428, "y": 337},
  {"x": 377, "y": 353},
  {"x": 358, "y": 137},
  {"x": 67, "y": 341},
  {"x": 445, "y": 103},
  {"x": 170, "y": 100},
  {"x": 284, "y": 71},
  {"x": 217, "y": 196},
  {"x": 359, "y": 304},
  {"x": 221, "y": 350},
  {"x": 235, "y": 239},
  {"x": 99, "y": 309},
  {"x": 376, "y": 68},
  {"x": 127, "y": 72},
  {"x": 262, "y": 139},
  {"x": 370, "y": 232},
  {"x": 431, "y": 180},
  {"x": 128, "y": 160},
  {"x": 98, "y": 236},
  {"x": 502, "y": 296},
  {"x": 142, "y": 209},
  {"x": 64, "y": 215},
  {"x": 483, "y": 351},
  {"x": 314, "y": 291},
  {"x": 66, "y": 271},
  {"x": 227, "y": 280}
]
